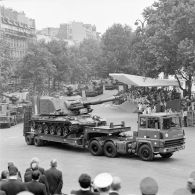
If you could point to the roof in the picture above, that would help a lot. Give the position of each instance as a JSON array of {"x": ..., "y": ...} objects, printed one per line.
[{"x": 141, "y": 81}]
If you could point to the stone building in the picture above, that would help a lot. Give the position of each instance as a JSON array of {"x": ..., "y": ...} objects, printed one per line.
[{"x": 17, "y": 30}]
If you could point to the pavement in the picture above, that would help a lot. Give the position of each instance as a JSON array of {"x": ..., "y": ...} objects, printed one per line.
[{"x": 170, "y": 174}]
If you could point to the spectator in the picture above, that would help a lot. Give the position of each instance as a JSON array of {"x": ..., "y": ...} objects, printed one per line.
[
  {"x": 35, "y": 186},
  {"x": 85, "y": 184},
  {"x": 13, "y": 185},
  {"x": 103, "y": 182},
  {"x": 54, "y": 178},
  {"x": 148, "y": 186},
  {"x": 191, "y": 183},
  {"x": 185, "y": 115},
  {"x": 35, "y": 160},
  {"x": 42, "y": 178},
  {"x": 181, "y": 191},
  {"x": 115, "y": 186},
  {"x": 4, "y": 177},
  {"x": 10, "y": 164}
]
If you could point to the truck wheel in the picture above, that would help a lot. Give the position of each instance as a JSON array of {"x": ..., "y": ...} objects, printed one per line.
[
  {"x": 29, "y": 140},
  {"x": 45, "y": 129},
  {"x": 110, "y": 149},
  {"x": 38, "y": 142},
  {"x": 8, "y": 125},
  {"x": 145, "y": 153},
  {"x": 166, "y": 155},
  {"x": 95, "y": 148}
]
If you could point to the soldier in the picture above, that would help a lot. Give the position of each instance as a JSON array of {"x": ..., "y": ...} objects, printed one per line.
[
  {"x": 191, "y": 183},
  {"x": 148, "y": 186},
  {"x": 103, "y": 182}
]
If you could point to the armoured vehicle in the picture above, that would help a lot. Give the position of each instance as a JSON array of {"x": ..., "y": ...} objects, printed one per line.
[{"x": 64, "y": 116}]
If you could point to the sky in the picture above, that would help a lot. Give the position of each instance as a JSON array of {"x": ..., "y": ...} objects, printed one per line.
[{"x": 101, "y": 13}]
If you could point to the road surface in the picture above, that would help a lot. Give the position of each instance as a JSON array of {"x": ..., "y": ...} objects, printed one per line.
[{"x": 170, "y": 174}]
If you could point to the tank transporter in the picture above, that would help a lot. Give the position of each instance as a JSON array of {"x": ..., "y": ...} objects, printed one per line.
[{"x": 69, "y": 121}]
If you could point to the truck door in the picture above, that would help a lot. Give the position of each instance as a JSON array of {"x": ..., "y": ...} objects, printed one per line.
[{"x": 153, "y": 130}]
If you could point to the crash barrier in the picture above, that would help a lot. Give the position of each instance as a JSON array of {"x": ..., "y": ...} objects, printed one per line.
[{"x": 191, "y": 118}]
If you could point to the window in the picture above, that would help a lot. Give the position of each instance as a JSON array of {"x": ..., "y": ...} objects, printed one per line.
[
  {"x": 143, "y": 122},
  {"x": 153, "y": 123}
]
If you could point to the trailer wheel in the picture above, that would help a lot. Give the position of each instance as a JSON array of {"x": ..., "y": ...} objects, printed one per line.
[
  {"x": 45, "y": 129},
  {"x": 38, "y": 142},
  {"x": 95, "y": 148},
  {"x": 29, "y": 140},
  {"x": 166, "y": 155},
  {"x": 145, "y": 153},
  {"x": 110, "y": 149}
]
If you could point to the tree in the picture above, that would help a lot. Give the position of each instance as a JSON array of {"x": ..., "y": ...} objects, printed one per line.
[
  {"x": 116, "y": 43},
  {"x": 169, "y": 37}
]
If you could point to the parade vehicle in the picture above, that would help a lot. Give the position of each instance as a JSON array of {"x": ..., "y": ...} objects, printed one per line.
[{"x": 157, "y": 133}]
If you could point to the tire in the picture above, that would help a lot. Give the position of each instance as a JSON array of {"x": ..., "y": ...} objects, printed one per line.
[
  {"x": 166, "y": 155},
  {"x": 95, "y": 148},
  {"x": 110, "y": 149},
  {"x": 38, "y": 142},
  {"x": 145, "y": 153},
  {"x": 29, "y": 140},
  {"x": 45, "y": 129}
]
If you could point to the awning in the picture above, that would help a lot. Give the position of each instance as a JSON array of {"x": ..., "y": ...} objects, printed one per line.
[{"x": 143, "y": 81}]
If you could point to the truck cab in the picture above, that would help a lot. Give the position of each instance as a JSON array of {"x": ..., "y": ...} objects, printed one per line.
[{"x": 162, "y": 132}]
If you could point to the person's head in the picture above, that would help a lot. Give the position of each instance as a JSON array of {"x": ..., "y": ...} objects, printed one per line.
[
  {"x": 148, "y": 186},
  {"x": 53, "y": 163},
  {"x": 4, "y": 174},
  {"x": 116, "y": 184},
  {"x": 35, "y": 175},
  {"x": 103, "y": 182},
  {"x": 34, "y": 166},
  {"x": 85, "y": 181},
  {"x": 191, "y": 182},
  {"x": 34, "y": 160},
  {"x": 10, "y": 164},
  {"x": 13, "y": 171},
  {"x": 181, "y": 191}
]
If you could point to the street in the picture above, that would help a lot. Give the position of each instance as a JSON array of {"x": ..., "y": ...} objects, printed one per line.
[{"x": 170, "y": 174}]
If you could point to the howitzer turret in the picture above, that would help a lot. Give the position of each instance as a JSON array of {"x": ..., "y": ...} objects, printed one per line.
[{"x": 65, "y": 115}]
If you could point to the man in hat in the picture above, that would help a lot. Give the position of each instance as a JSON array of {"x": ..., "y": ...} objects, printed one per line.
[
  {"x": 54, "y": 178},
  {"x": 103, "y": 182},
  {"x": 10, "y": 164},
  {"x": 13, "y": 185},
  {"x": 191, "y": 183},
  {"x": 85, "y": 184},
  {"x": 115, "y": 186},
  {"x": 35, "y": 186},
  {"x": 148, "y": 186},
  {"x": 4, "y": 177}
]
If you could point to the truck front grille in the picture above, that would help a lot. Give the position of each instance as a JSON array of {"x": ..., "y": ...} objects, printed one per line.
[{"x": 175, "y": 142}]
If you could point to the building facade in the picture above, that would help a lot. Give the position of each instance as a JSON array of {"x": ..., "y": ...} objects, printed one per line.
[{"x": 17, "y": 30}]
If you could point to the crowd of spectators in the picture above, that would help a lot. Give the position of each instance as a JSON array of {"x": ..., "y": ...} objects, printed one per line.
[{"x": 38, "y": 181}]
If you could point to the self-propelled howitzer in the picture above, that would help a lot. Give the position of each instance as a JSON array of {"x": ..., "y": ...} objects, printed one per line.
[{"x": 64, "y": 116}]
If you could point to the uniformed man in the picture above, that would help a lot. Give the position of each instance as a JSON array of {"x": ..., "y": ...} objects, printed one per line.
[
  {"x": 148, "y": 186},
  {"x": 103, "y": 182},
  {"x": 191, "y": 183}
]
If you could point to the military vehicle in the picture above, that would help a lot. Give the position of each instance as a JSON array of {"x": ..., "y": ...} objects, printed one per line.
[
  {"x": 64, "y": 116},
  {"x": 69, "y": 122}
]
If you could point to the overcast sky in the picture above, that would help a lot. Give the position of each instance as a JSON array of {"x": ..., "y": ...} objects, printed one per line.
[{"x": 102, "y": 13}]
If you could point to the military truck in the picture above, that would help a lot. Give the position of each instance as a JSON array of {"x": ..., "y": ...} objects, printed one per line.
[{"x": 157, "y": 133}]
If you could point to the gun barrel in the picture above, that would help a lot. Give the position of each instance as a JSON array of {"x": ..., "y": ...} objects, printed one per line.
[{"x": 101, "y": 101}]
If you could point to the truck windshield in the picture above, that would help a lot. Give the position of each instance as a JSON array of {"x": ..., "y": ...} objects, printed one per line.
[{"x": 171, "y": 122}]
